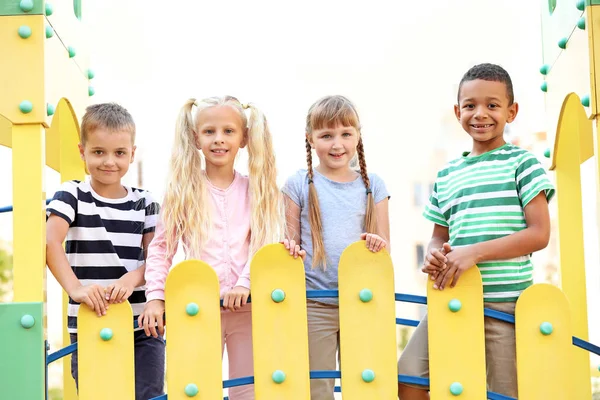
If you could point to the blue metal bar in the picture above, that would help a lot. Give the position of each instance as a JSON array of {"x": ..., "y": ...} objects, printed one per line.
[
  {"x": 407, "y": 322},
  {"x": 61, "y": 353}
]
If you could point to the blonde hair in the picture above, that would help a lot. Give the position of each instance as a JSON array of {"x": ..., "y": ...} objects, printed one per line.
[
  {"x": 328, "y": 112},
  {"x": 109, "y": 116},
  {"x": 186, "y": 210}
]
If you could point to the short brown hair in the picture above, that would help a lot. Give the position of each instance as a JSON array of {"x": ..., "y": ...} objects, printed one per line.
[{"x": 109, "y": 116}]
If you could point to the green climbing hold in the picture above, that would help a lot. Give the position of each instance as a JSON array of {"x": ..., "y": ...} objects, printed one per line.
[
  {"x": 49, "y": 32},
  {"x": 191, "y": 390},
  {"x": 49, "y": 109},
  {"x": 585, "y": 101},
  {"x": 91, "y": 91},
  {"x": 72, "y": 51},
  {"x": 580, "y": 5},
  {"x": 547, "y": 153},
  {"x": 454, "y": 305},
  {"x": 27, "y": 321},
  {"x": 90, "y": 74},
  {"x": 544, "y": 86},
  {"x": 26, "y": 5},
  {"x": 368, "y": 375},
  {"x": 24, "y": 31},
  {"x": 278, "y": 376},
  {"x": 365, "y": 295},
  {"x": 25, "y": 106},
  {"x": 544, "y": 69},
  {"x": 192, "y": 309},
  {"x": 546, "y": 328},
  {"x": 106, "y": 334},
  {"x": 278, "y": 295},
  {"x": 562, "y": 43},
  {"x": 581, "y": 23},
  {"x": 456, "y": 389},
  {"x": 49, "y": 9}
]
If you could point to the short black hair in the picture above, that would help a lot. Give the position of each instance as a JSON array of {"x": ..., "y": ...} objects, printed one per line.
[{"x": 489, "y": 72}]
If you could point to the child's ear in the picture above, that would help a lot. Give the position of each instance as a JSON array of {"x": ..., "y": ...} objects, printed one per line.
[
  {"x": 244, "y": 139},
  {"x": 513, "y": 110},
  {"x": 310, "y": 140},
  {"x": 81, "y": 151},
  {"x": 132, "y": 154},
  {"x": 196, "y": 141},
  {"x": 457, "y": 111}
]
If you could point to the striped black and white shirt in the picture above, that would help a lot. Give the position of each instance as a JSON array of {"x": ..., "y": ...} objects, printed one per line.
[{"x": 104, "y": 240}]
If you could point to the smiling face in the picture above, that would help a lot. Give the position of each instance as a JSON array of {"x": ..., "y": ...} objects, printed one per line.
[
  {"x": 483, "y": 111},
  {"x": 334, "y": 146}
]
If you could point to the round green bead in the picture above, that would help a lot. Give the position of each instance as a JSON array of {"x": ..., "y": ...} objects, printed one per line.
[
  {"x": 454, "y": 305},
  {"x": 91, "y": 91},
  {"x": 544, "y": 87},
  {"x": 106, "y": 334},
  {"x": 49, "y": 32},
  {"x": 26, "y": 107},
  {"x": 365, "y": 295},
  {"x": 192, "y": 309},
  {"x": 544, "y": 69},
  {"x": 49, "y": 9},
  {"x": 24, "y": 31},
  {"x": 546, "y": 328},
  {"x": 547, "y": 153},
  {"x": 278, "y": 295},
  {"x": 580, "y": 5},
  {"x": 585, "y": 101},
  {"x": 456, "y": 389},
  {"x": 562, "y": 43},
  {"x": 49, "y": 109},
  {"x": 191, "y": 390},
  {"x": 72, "y": 52},
  {"x": 26, "y": 5},
  {"x": 278, "y": 376},
  {"x": 27, "y": 321},
  {"x": 581, "y": 23},
  {"x": 368, "y": 375},
  {"x": 90, "y": 74}
]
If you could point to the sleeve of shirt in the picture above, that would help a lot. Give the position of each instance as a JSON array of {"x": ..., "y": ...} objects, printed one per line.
[
  {"x": 432, "y": 210},
  {"x": 531, "y": 179},
  {"x": 380, "y": 191},
  {"x": 244, "y": 279},
  {"x": 158, "y": 263},
  {"x": 293, "y": 187},
  {"x": 152, "y": 210},
  {"x": 64, "y": 202}
]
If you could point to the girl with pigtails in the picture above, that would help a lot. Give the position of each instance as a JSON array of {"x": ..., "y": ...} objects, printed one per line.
[
  {"x": 328, "y": 207},
  {"x": 218, "y": 215}
]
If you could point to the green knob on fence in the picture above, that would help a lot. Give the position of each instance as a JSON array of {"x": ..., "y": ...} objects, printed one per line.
[
  {"x": 191, "y": 390},
  {"x": 91, "y": 91},
  {"x": 26, "y": 5},
  {"x": 27, "y": 321},
  {"x": 544, "y": 87},
  {"x": 365, "y": 295},
  {"x": 562, "y": 43},
  {"x": 544, "y": 69},
  {"x": 581, "y": 23},
  {"x": 368, "y": 375},
  {"x": 278, "y": 376},
  {"x": 72, "y": 51},
  {"x": 456, "y": 389},
  {"x": 49, "y": 9},
  {"x": 585, "y": 101},
  {"x": 278, "y": 295},
  {"x": 49, "y": 32},
  {"x": 547, "y": 153},
  {"x": 106, "y": 334},
  {"x": 192, "y": 309},
  {"x": 25, "y": 106},
  {"x": 49, "y": 109},
  {"x": 454, "y": 305},
  {"x": 580, "y": 5},
  {"x": 24, "y": 32},
  {"x": 90, "y": 74},
  {"x": 546, "y": 328}
]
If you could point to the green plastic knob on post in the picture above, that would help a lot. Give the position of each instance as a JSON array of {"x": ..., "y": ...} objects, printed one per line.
[
  {"x": 454, "y": 305},
  {"x": 72, "y": 52},
  {"x": 456, "y": 389},
  {"x": 580, "y": 5},
  {"x": 544, "y": 69},
  {"x": 547, "y": 153},
  {"x": 368, "y": 375},
  {"x": 27, "y": 321},
  {"x": 191, "y": 390},
  {"x": 365, "y": 295},
  {"x": 585, "y": 101},
  {"x": 49, "y": 110},
  {"x": 49, "y": 32},
  {"x": 25, "y": 106},
  {"x": 278, "y": 376},
  {"x": 106, "y": 334},
  {"x": 90, "y": 74},
  {"x": 192, "y": 309},
  {"x": 91, "y": 91},
  {"x": 546, "y": 328},
  {"x": 26, "y": 5},
  {"x": 544, "y": 87},
  {"x": 581, "y": 23},
  {"x": 49, "y": 9},
  {"x": 24, "y": 31},
  {"x": 562, "y": 43},
  {"x": 278, "y": 295}
]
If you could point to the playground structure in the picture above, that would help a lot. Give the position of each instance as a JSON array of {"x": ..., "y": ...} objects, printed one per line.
[{"x": 47, "y": 84}]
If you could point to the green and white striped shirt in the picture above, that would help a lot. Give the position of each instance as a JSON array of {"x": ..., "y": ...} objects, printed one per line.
[{"x": 482, "y": 198}]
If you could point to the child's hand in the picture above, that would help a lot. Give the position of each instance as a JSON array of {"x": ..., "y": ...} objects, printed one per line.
[
  {"x": 435, "y": 261},
  {"x": 92, "y": 296},
  {"x": 119, "y": 291},
  {"x": 374, "y": 242},
  {"x": 152, "y": 316},
  {"x": 458, "y": 261},
  {"x": 236, "y": 298},
  {"x": 294, "y": 249}
]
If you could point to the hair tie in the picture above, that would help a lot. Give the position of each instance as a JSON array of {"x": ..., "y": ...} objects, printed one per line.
[
  {"x": 369, "y": 191},
  {"x": 310, "y": 181},
  {"x": 245, "y": 106}
]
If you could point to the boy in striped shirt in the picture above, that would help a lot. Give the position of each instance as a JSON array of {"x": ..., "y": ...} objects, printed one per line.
[
  {"x": 107, "y": 227},
  {"x": 489, "y": 209}
]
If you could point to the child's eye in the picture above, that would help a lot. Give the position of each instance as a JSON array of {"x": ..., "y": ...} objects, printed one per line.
[
  {"x": 229, "y": 131},
  {"x": 98, "y": 152},
  {"x": 346, "y": 134},
  {"x": 470, "y": 106},
  {"x": 120, "y": 153},
  {"x": 209, "y": 131},
  {"x": 326, "y": 136},
  {"x": 493, "y": 105}
]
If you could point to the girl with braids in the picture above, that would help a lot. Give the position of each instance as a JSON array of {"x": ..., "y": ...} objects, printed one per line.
[
  {"x": 329, "y": 207},
  {"x": 219, "y": 216}
]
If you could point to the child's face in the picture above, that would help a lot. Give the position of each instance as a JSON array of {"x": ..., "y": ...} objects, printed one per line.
[
  {"x": 220, "y": 134},
  {"x": 335, "y": 147},
  {"x": 484, "y": 110},
  {"x": 107, "y": 155}
]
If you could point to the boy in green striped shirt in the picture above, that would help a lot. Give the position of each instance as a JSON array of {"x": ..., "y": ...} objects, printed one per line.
[{"x": 489, "y": 209}]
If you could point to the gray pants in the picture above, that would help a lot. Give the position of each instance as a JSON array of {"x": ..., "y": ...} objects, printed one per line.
[{"x": 149, "y": 365}]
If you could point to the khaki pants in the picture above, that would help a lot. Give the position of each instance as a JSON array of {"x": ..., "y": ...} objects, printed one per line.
[
  {"x": 323, "y": 345},
  {"x": 500, "y": 352}
]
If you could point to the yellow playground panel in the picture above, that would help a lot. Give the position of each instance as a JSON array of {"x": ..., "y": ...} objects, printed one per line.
[{"x": 47, "y": 88}]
